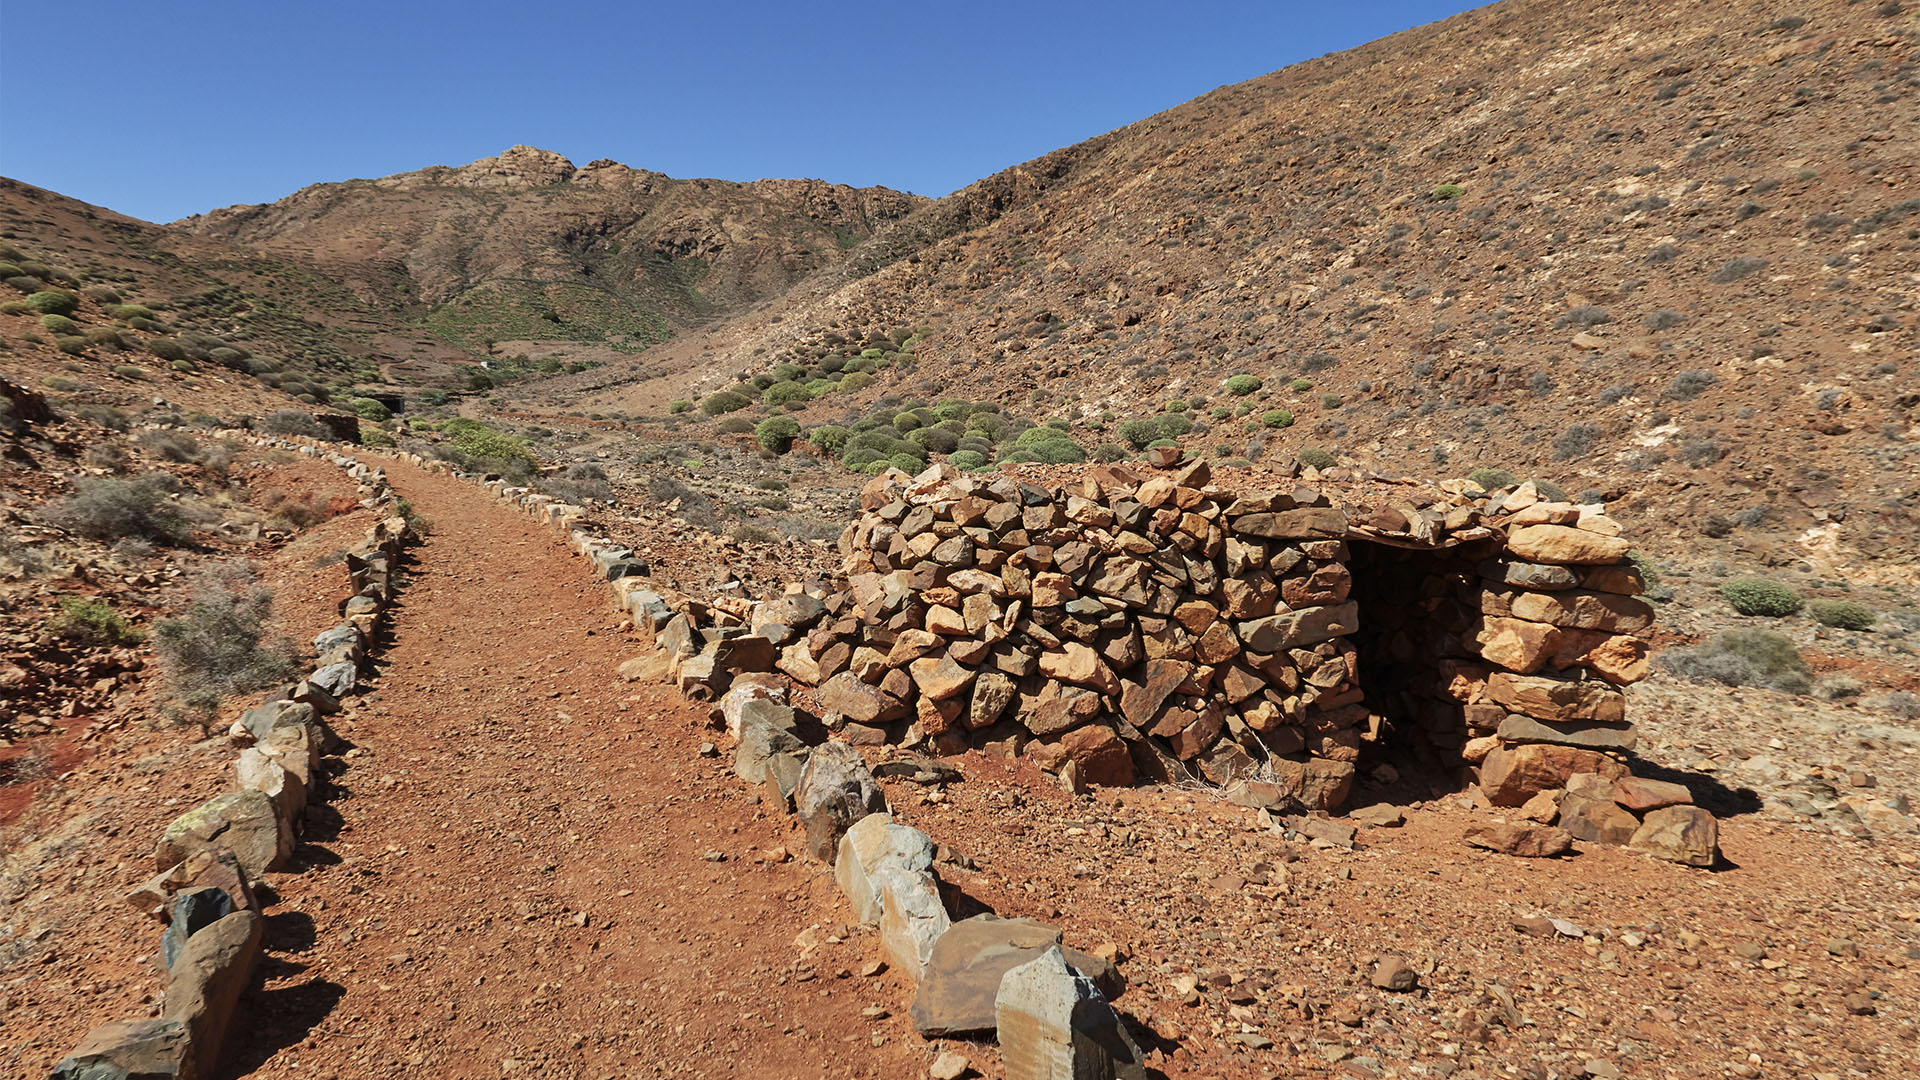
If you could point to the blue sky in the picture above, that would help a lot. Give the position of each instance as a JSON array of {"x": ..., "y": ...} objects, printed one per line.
[{"x": 160, "y": 110}]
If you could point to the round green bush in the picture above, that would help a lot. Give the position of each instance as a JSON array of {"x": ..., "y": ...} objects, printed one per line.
[
  {"x": 968, "y": 460},
  {"x": 1242, "y": 385},
  {"x": 1493, "y": 479},
  {"x": 1302, "y": 384},
  {"x": 74, "y": 345},
  {"x": 734, "y": 425},
  {"x": 1761, "y": 596},
  {"x": 129, "y": 312},
  {"x": 907, "y": 421},
  {"x": 1046, "y": 445},
  {"x": 1277, "y": 418},
  {"x": 725, "y": 401},
  {"x": 53, "y": 302},
  {"x": 1139, "y": 433},
  {"x": 679, "y": 406},
  {"x": 1843, "y": 614},
  {"x": 1175, "y": 424},
  {"x": 780, "y": 393},
  {"x": 367, "y": 408},
  {"x": 1315, "y": 457},
  {"x": 59, "y": 324},
  {"x": 776, "y": 434},
  {"x": 167, "y": 349},
  {"x": 832, "y": 438}
]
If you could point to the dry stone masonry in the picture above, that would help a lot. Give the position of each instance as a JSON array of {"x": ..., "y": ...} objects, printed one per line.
[{"x": 209, "y": 858}]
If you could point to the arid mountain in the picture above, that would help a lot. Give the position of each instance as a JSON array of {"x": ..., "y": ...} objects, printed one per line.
[
  {"x": 525, "y": 248},
  {"x": 1663, "y": 251}
]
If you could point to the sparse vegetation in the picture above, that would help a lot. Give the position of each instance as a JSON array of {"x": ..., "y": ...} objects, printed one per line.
[
  {"x": 1761, "y": 596},
  {"x": 1315, "y": 457},
  {"x": 89, "y": 620},
  {"x": 107, "y": 508},
  {"x": 293, "y": 422},
  {"x": 218, "y": 645},
  {"x": 725, "y": 401},
  {"x": 1743, "y": 657},
  {"x": 1494, "y": 479}
]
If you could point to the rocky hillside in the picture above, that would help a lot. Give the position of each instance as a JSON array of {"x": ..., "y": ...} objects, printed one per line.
[
  {"x": 1661, "y": 252},
  {"x": 526, "y": 249}
]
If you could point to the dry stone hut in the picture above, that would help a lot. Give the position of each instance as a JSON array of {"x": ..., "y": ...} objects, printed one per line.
[{"x": 1151, "y": 624}]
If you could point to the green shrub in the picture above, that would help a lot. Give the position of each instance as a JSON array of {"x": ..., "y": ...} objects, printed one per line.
[
  {"x": 1494, "y": 479},
  {"x": 776, "y": 434},
  {"x": 937, "y": 440},
  {"x": 1743, "y": 657},
  {"x": 831, "y": 438},
  {"x": 53, "y": 302},
  {"x": 1242, "y": 385},
  {"x": 488, "y": 447},
  {"x": 374, "y": 436},
  {"x": 127, "y": 371},
  {"x": 367, "y": 408},
  {"x": 781, "y": 393},
  {"x": 15, "y": 307},
  {"x": 1301, "y": 385},
  {"x": 167, "y": 349},
  {"x": 105, "y": 415},
  {"x": 1550, "y": 491},
  {"x": 1276, "y": 418},
  {"x": 59, "y": 324},
  {"x": 1315, "y": 457},
  {"x": 89, "y": 620},
  {"x": 967, "y": 460},
  {"x": 1046, "y": 445},
  {"x": 1107, "y": 451},
  {"x": 218, "y": 645},
  {"x": 1173, "y": 425},
  {"x": 734, "y": 425},
  {"x": 1843, "y": 614},
  {"x": 854, "y": 382},
  {"x": 1761, "y": 596},
  {"x": 1444, "y": 192},
  {"x": 679, "y": 406},
  {"x": 129, "y": 312},
  {"x": 104, "y": 336},
  {"x": 1138, "y": 433},
  {"x": 77, "y": 346},
  {"x": 907, "y": 421},
  {"x": 9, "y": 270},
  {"x": 108, "y": 508},
  {"x": 725, "y": 401}
]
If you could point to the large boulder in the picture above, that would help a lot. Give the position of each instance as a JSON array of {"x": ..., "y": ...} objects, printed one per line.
[
  {"x": 1682, "y": 834},
  {"x": 130, "y": 1050},
  {"x": 1053, "y": 1024},
  {"x": 1511, "y": 775},
  {"x": 962, "y": 977},
  {"x": 243, "y": 822},
  {"x": 205, "y": 980},
  {"x": 835, "y": 790},
  {"x": 912, "y": 917},
  {"x": 870, "y": 845}
]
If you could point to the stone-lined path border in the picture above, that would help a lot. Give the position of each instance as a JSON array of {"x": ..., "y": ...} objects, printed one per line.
[{"x": 210, "y": 858}]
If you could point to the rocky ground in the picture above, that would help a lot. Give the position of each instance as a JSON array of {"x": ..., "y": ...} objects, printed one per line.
[{"x": 527, "y": 867}]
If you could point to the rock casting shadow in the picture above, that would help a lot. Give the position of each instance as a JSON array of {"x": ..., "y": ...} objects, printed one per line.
[
  {"x": 285, "y": 1016},
  {"x": 1708, "y": 793}
]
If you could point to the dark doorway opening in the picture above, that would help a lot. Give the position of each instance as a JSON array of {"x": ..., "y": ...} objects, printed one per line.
[{"x": 1416, "y": 610}]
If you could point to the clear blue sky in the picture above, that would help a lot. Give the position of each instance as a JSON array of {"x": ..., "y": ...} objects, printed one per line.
[{"x": 160, "y": 110}]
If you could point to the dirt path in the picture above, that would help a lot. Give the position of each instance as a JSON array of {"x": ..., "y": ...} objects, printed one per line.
[{"x": 521, "y": 877}]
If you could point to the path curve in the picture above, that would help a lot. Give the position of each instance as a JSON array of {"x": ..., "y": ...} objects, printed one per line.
[{"x": 517, "y": 882}]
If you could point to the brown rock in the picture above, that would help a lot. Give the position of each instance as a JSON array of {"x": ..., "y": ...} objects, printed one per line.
[
  {"x": 1640, "y": 794},
  {"x": 858, "y": 701},
  {"x": 1100, "y": 753},
  {"x": 1557, "y": 699},
  {"x": 1524, "y": 841},
  {"x": 1542, "y": 808},
  {"x": 1516, "y": 729},
  {"x": 1292, "y": 629},
  {"x": 992, "y": 692},
  {"x": 1597, "y": 821},
  {"x": 1513, "y": 774},
  {"x": 1566, "y": 545},
  {"x": 1300, "y": 524},
  {"x": 1619, "y": 659},
  {"x": 1682, "y": 834},
  {"x": 1580, "y": 610},
  {"x": 939, "y": 677},
  {"x": 1515, "y": 644},
  {"x": 1393, "y": 973},
  {"x": 1327, "y": 584},
  {"x": 1140, "y": 702},
  {"x": 1250, "y": 595},
  {"x": 1080, "y": 665}
]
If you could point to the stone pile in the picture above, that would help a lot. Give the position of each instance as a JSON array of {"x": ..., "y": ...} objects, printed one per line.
[
  {"x": 209, "y": 858},
  {"x": 1155, "y": 625}
]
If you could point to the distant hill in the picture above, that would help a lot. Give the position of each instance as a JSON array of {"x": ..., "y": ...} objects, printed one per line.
[{"x": 528, "y": 252}]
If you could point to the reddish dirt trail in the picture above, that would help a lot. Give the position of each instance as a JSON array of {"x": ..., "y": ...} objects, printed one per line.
[{"x": 518, "y": 881}]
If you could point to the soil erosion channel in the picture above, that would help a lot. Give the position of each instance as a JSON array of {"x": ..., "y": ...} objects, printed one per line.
[{"x": 532, "y": 871}]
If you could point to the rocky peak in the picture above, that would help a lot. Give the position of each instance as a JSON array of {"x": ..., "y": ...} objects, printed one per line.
[{"x": 517, "y": 166}]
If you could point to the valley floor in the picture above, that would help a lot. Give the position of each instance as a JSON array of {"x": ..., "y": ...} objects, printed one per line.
[{"x": 526, "y": 867}]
